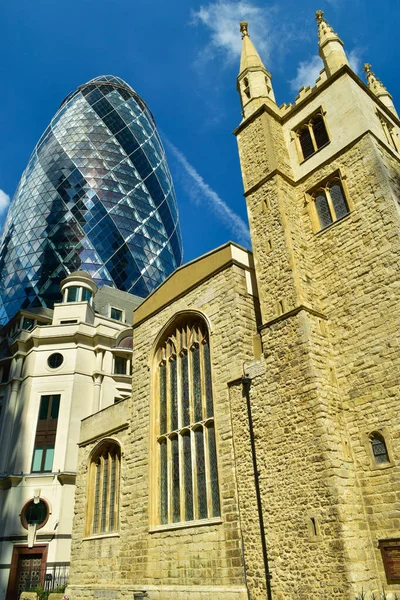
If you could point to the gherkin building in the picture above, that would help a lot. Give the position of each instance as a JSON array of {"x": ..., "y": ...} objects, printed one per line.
[{"x": 97, "y": 195}]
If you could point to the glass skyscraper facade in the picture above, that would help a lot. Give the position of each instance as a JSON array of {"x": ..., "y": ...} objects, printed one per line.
[{"x": 96, "y": 195}]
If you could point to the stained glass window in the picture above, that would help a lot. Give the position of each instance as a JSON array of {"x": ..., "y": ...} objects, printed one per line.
[
  {"x": 104, "y": 485},
  {"x": 188, "y": 473}
]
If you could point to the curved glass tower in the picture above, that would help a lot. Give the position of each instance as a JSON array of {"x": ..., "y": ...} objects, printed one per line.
[{"x": 96, "y": 195}]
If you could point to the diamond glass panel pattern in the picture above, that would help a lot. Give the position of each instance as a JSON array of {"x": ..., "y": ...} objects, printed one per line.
[{"x": 96, "y": 195}]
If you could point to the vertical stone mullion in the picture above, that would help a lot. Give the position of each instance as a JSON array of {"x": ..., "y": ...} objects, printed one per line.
[
  {"x": 168, "y": 394},
  {"x": 311, "y": 130},
  {"x": 330, "y": 204},
  {"x": 202, "y": 381}
]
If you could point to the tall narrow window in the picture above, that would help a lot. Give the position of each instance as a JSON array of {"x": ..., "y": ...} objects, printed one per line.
[
  {"x": 187, "y": 453},
  {"x": 330, "y": 202},
  {"x": 312, "y": 135},
  {"x": 379, "y": 448},
  {"x": 46, "y": 431},
  {"x": 103, "y": 504}
]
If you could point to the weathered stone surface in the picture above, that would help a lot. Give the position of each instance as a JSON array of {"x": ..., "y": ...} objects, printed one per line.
[{"x": 327, "y": 378}]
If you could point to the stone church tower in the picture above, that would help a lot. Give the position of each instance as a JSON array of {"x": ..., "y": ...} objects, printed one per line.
[
  {"x": 259, "y": 455},
  {"x": 322, "y": 186}
]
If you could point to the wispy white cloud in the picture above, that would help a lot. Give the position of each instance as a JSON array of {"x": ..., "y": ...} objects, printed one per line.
[
  {"x": 201, "y": 193},
  {"x": 222, "y": 18},
  {"x": 307, "y": 73},
  {"x": 355, "y": 57},
  {"x": 4, "y": 202},
  {"x": 308, "y": 70}
]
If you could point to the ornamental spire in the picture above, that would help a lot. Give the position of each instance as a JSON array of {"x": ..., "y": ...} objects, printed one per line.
[
  {"x": 253, "y": 82},
  {"x": 331, "y": 47},
  {"x": 376, "y": 86},
  {"x": 325, "y": 31},
  {"x": 250, "y": 56}
]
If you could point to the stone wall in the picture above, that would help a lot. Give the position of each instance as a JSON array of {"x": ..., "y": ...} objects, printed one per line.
[
  {"x": 319, "y": 399},
  {"x": 199, "y": 561}
]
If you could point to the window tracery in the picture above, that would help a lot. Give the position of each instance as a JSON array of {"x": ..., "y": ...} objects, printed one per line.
[
  {"x": 187, "y": 458},
  {"x": 330, "y": 202},
  {"x": 312, "y": 135},
  {"x": 103, "y": 501}
]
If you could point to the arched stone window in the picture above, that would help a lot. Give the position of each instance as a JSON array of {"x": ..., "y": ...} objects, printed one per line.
[
  {"x": 379, "y": 448},
  {"x": 330, "y": 202},
  {"x": 186, "y": 446},
  {"x": 312, "y": 135},
  {"x": 103, "y": 496}
]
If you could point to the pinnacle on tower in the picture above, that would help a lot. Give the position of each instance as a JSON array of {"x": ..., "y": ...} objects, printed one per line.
[
  {"x": 254, "y": 81},
  {"x": 250, "y": 56},
  {"x": 331, "y": 47},
  {"x": 376, "y": 86}
]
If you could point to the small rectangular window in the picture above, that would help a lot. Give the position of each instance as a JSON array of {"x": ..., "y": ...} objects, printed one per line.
[
  {"x": 73, "y": 294},
  {"x": 116, "y": 314},
  {"x": 70, "y": 322},
  {"x": 86, "y": 295},
  {"x": 120, "y": 365},
  {"x": 27, "y": 323},
  {"x": 37, "y": 459},
  {"x": 48, "y": 459}
]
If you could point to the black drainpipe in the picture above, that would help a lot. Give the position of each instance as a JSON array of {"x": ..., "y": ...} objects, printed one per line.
[{"x": 246, "y": 383}]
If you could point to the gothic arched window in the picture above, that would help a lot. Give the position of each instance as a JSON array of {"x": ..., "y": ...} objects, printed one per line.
[
  {"x": 187, "y": 458},
  {"x": 312, "y": 135},
  {"x": 103, "y": 497},
  {"x": 379, "y": 448},
  {"x": 330, "y": 202}
]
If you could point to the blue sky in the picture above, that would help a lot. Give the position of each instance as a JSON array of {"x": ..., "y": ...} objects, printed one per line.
[{"x": 182, "y": 57}]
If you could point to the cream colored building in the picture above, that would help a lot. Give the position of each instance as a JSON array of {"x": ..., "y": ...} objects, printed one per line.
[
  {"x": 259, "y": 454},
  {"x": 57, "y": 367}
]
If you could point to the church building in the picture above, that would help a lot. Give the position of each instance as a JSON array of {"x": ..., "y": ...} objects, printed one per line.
[{"x": 259, "y": 454}]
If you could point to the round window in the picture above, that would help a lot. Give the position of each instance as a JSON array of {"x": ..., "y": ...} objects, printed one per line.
[
  {"x": 35, "y": 513},
  {"x": 55, "y": 360}
]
